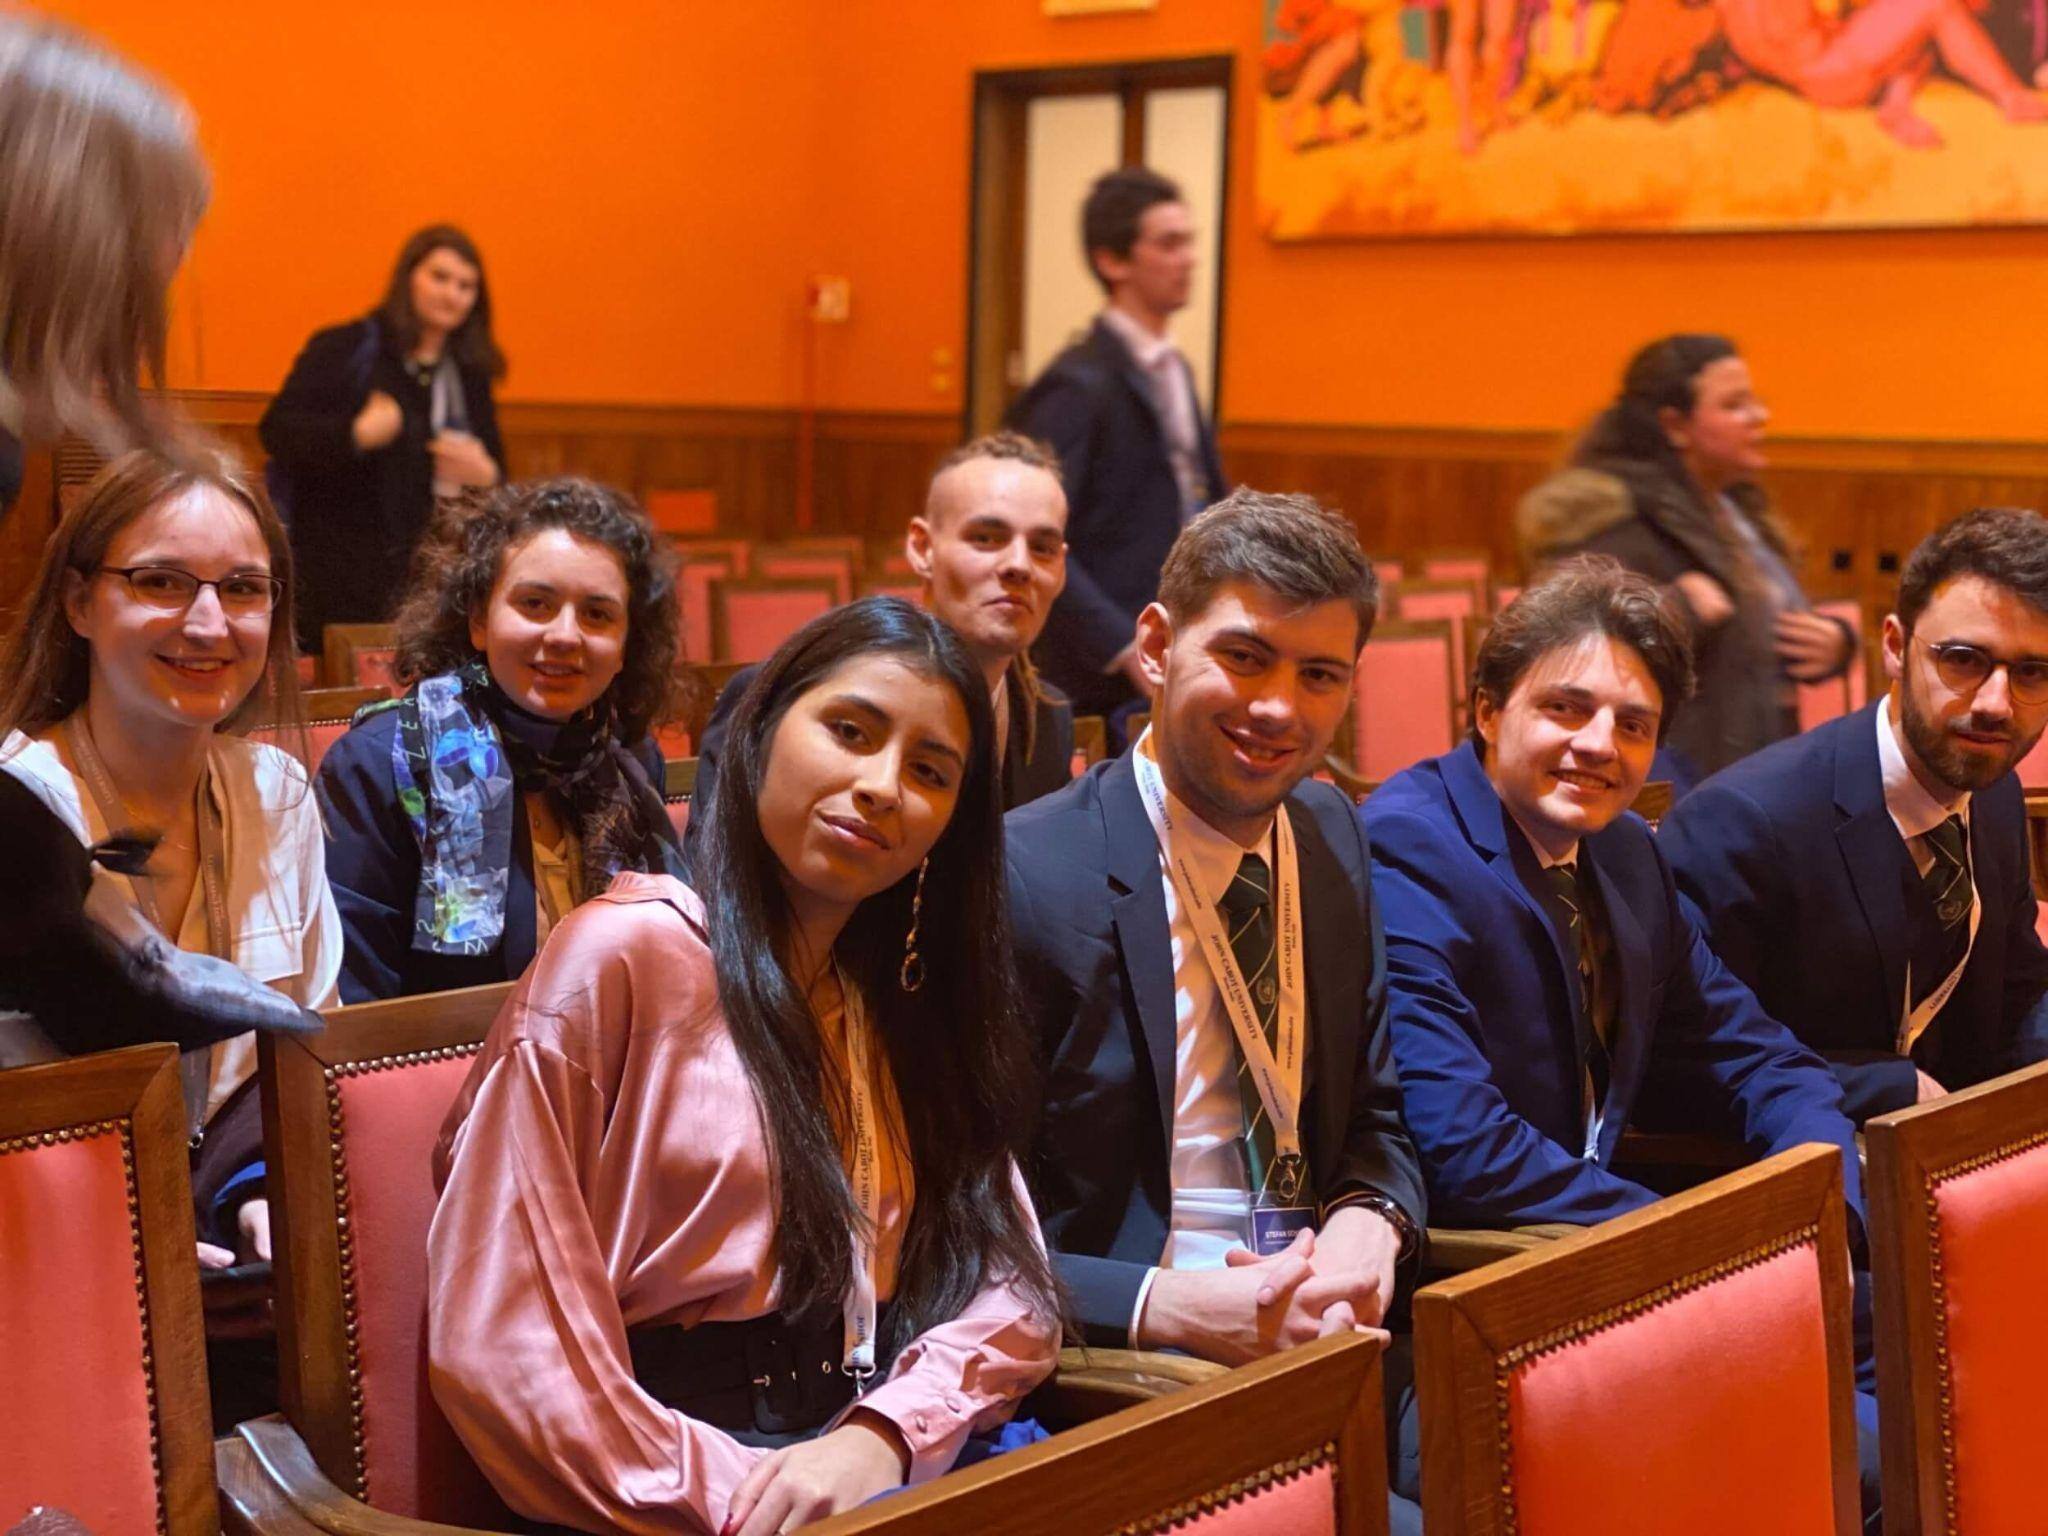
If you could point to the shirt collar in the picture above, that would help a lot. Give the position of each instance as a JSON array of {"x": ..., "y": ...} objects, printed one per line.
[
  {"x": 1569, "y": 858},
  {"x": 1149, "y": 350},
  {"x": 1913, "y": 810},
  {"x": 1213, "y": 857}
]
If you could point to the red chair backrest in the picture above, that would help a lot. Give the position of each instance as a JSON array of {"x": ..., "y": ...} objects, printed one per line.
[
  {"x": 373, "y": 667},
  {"x": 694, "y": 579},
  {"x": 351, "y": 1133},
  {"x": 679, "y": 814},
  {"x": 751, "y": 618},
  {"x": 1403, "y": 706},
  {"x": 1702, "y": 1334},
  {"x": 783, "y": 564},
  {"x": 1959, "y": 1221},
  {"x": 2033, "y": 768},
  {"x": 103, "y": 1411}
]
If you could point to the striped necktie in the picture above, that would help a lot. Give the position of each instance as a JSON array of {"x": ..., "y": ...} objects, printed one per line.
[
  {"x": 1563, "y": 880},
  {"x": 1947, "y": 880},
  {"x": 1247, "y": 908}
]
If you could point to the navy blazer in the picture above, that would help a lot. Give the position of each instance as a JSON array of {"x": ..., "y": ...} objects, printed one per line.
[
  {"x": 1805, "y": 885},
  {"x": 1482, "y": 993},
  {"x": 373, "y": 864},
  {"x": 1097, "y": 411},
  {"x": 1095, "y": 955}
]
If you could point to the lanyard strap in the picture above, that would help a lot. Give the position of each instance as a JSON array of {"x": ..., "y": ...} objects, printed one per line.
[
  {"x": 195, "y": 1067},
  {"x": 1913, "y": 1021},
  {"x": 1276, "y": 1067},
  {"x": 865, "y": 1176}
]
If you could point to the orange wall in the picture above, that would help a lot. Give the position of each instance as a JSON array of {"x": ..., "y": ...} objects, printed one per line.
[
  {"x": 635, "y": 172},
  {"x": 652, "y": 182}
]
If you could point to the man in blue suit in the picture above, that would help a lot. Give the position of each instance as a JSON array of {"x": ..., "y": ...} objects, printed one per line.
[
  {"x": 1869, "y": 879},
  {"x": 1138, "y": 456},
  {"x": 1220, "y": 1166},
  {"x": 1540, "y": 965}
]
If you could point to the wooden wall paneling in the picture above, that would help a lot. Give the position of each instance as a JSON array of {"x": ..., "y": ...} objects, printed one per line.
[{"x": 24, "y": 530}]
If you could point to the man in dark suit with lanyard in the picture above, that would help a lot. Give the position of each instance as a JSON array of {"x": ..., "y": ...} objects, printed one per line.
[
  {"x": 989, "y": 547},
  {"x": 1221, "y": 1167},
  {"x": 1120, "y": 411},
  {"x": 1870, "y": 878}
]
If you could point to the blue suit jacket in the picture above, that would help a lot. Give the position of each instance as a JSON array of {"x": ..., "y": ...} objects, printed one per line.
[
  {"x": 1483, "y": 1001},
  {"x": 1096, "y": 409},
  {"x": 1802, "y": 879},
  {"x": 1096, "y": 957}
]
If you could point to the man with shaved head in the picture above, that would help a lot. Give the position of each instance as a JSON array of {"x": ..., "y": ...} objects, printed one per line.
[{"x": 991, "y": 549}]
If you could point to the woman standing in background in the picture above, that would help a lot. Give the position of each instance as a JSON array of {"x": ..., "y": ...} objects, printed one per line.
[
  {"x": 378, "y": 418},
  {"x": 1664, "y": 481}
]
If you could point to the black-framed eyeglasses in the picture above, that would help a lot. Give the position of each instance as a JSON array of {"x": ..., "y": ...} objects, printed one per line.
[
  {"x": 1964, "y": 668},
  {"x": 166, "y": 587}
]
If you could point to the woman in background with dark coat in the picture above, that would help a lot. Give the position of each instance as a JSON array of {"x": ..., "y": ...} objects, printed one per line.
[
  {"x": 378, "y": 418},
  {"x": 1664, "y": 481}
]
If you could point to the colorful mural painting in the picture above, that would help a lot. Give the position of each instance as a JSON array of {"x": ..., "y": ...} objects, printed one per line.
[{"x": 1402, "y": 117}]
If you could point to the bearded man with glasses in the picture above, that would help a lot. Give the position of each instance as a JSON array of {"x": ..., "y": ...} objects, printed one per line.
[{"x": 1869, "y": 880}]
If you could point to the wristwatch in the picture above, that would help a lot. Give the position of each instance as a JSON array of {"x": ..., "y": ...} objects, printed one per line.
[{"x": 1385, "y": 1207}]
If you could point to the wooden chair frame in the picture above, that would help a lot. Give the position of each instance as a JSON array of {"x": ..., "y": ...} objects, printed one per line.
[
  {"x": 701, "y": 684},
  {"x": 1148, "y": 1468},
  {"x": 339, "y": 644},
  {"x": 1470, "y": 1331},
  {"x": 324, "y": 704},
  {"x": 2037, "y": 840},
  {"x": 1911, "y": 1153},
  {"x": 722, "y": 591},
  {"x": 1091, "y": 738},
  {"x": 135, "y": 1094}
]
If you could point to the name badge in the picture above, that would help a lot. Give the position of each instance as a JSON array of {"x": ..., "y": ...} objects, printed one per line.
[{"x": 1275, "y": 1226}]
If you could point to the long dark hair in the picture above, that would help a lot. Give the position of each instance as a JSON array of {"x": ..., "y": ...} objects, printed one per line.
[
  {"x": 471, "y": 343},
  {"x": 456, "y": 572},
  {"x": 1663, "y": 374},
  {"x": 956, "y": 1046}
]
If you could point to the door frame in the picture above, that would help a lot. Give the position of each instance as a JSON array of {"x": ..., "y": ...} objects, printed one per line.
[{"x": 995, "y": 219}]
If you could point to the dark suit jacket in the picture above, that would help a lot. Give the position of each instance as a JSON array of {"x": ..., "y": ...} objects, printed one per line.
[
  {"x": 1096, "y": 958},
  {"x": 1123, "y": 502},
  {"x": 1482, "y": 994},
  {"x": 356, "y": 517},
  {"x": 1806, "y": 888},
  {"x": 373, "y": 864},
  {"x": 1049, "y": 765}
]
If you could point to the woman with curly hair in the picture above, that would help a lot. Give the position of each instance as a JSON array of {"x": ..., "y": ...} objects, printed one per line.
[{"x": 516, "y": 775}]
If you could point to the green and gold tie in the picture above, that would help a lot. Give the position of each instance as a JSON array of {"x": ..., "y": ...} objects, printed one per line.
[{"x": 1247, "y": 908}]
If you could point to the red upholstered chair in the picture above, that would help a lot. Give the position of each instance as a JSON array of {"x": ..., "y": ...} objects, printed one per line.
[
  {"x": 679, "y": 784},
  {"x": 1821, "y": 702},
  {"x": 1389, "y": 572},
  {"x": 103, "y": 1406},
  {"x": 2033, "y": 768},
  {"x": 327, "y": 713},
  {"x": 308, "y": 669},
  {"x": 359, "y": 656},
  {"x": 696, "y": 573},
  {"x": 1959, "y": 1222},
  {"x": 1684, "y": 1370},
  {"x": 822, "y": 561},
  {"x": 1503, "y": 595},
  {"x": 1091, "y": 742},
  {"x": 350, "y": 1117},
  {"x": 1458, "y": 604},
  {"x": 1291, "y": 1446},
  {"x": 1468, "y": 567},
  {"x": 751, "y": 617},
  {"x": 1402, "y": 707}
]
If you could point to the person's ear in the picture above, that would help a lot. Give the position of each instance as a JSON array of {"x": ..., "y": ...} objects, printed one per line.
[
  {"x": 1154, "y": 641},
  {"x": 1485, "y": 716},
  {"x": 77, "y": 594},
  {"x": 1892, "y": 645},
  {"x": 1677, "y": 427},
  {"x": 917, "y": 547},
  {"x": 1111, "y": 268},
  {"x": 479, "y": 631}
]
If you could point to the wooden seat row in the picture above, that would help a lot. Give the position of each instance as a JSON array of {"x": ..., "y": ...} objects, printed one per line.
[{"x": 1707, "y": 1333}]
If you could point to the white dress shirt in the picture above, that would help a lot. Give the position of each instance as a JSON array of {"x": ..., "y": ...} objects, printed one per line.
[
  {"x": 1913, "y": 810},
  {"x": 1173, "y": 391},
  {"x": 1212, "y": 1197}
]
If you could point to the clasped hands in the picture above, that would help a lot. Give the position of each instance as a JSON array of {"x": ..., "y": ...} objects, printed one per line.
[{"x": 1338, "y": 1280}]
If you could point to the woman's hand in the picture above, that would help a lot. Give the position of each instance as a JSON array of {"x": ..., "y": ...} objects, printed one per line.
[
  {"x": 462, "y": 460},
  {"x": 252, "y": 1221},
  {"x": 1707, "y": 598},
  {"x": 801, "y": 1483},
  {"x": 1810, "y": 646},
  {"x": 378, "y": 423}
]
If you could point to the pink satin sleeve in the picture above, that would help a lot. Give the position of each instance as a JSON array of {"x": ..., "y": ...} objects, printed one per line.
[
  {"x": 527, "y": 1343},
  {"x": 970, "y": 1373}
]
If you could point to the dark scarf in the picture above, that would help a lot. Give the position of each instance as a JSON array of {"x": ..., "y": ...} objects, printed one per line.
[{"x": 463, "y": 755}]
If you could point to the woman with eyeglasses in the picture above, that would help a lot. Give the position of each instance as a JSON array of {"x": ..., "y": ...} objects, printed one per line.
[
  {"x": 157, "y": 632},
  {"x": 1665, "y": 481},
  {"x": 517, "y": 775},
  {"x": 730, "y": 1236}
]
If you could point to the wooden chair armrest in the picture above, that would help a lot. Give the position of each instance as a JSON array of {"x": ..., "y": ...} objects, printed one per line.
[
  {"x": 1454, "y": 1250},
  {"x": 271, "y": 1486},
  {"x": 1092, "y": 1383}
]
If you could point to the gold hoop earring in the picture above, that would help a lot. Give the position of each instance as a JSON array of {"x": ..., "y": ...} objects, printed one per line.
[{"x": 911, "y": 976}]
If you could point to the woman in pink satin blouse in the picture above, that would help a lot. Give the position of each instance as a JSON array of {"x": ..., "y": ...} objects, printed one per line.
[{"x": 730, "y": 1237}]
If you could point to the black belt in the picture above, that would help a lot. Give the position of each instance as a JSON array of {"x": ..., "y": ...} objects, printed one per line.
[{"x": 766, "y": 1381}]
